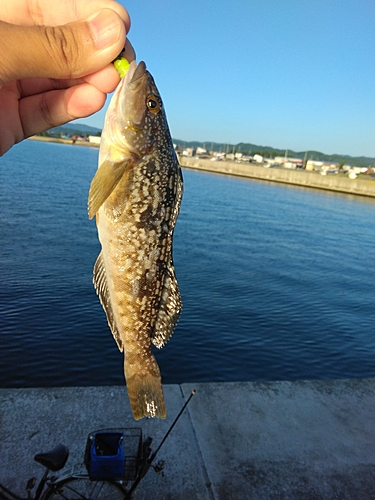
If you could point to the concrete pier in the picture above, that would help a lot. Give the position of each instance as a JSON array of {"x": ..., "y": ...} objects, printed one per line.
[
  {"x": 362, "y": 186},
  {"x": 258, "y": 441}
]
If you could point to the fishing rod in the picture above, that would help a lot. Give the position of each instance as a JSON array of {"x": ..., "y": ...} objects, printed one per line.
[
  {"x": 149, "y": 461},
  {"x": 152, "y": 458}
]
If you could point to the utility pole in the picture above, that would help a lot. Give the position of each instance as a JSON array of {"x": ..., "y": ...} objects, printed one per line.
[{"x": 305, "y": 160}]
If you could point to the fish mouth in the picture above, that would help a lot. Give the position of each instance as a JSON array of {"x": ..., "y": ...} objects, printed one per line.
[
  {"x": 126, "y": 113},
  {"x": 136, "y": 74}
]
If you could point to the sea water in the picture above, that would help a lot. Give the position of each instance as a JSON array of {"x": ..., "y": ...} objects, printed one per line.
[{"x": 277, "y": 282}]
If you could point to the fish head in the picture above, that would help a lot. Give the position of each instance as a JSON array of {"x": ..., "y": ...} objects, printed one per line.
[
  {"x": 135, "y": 118},
  {"x": 135, "y": 128}
]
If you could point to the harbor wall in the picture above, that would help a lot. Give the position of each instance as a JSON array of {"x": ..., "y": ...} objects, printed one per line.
[{"x": 363, "y": 185}]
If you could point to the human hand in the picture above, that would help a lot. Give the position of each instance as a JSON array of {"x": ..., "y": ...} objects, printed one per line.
[{"x": 55, "y": 62}]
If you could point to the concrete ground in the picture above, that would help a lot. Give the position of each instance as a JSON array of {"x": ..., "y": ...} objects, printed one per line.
[{"x": 307, "y": 440}]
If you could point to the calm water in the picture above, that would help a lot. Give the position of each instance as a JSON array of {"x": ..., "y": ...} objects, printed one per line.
[{"x": 277, "y": 282}]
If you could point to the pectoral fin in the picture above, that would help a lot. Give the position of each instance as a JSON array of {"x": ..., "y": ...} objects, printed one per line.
[
  {"x": 170, "y": 309},
  {"x": 104, "y": 182},
  {"x": 101, "y": 287}
]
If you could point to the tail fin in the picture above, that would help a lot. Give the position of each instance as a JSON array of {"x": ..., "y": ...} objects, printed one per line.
[{"x": 146, "y": 395}]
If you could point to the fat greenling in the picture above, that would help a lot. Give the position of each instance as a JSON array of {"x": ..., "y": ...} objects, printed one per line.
[{"x": 136, "y": 195}]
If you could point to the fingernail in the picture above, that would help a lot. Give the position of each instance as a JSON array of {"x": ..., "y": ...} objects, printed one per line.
[{"x": 106, "y": 28}]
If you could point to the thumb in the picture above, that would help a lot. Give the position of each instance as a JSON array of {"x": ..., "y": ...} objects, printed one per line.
[{"x": 70, "y": 51}]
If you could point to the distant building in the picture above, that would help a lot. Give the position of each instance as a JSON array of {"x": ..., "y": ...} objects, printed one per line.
[
  {"x": 322, "y": 166},
  {"x": 244, "y": 159},
  {"x": 217, "y": 155},
  {"x": 330, "y": 168},
  {"x": 314, "y": 165},
  {"x": 188, "y": 152},
  {"x": 289, "y": 162},
  {"x": 93, "y": 139},
  {"x": 201, "y": 151}
]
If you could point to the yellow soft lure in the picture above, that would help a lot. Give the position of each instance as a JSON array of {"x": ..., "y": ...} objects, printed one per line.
[{"x": 122, "y": 66}]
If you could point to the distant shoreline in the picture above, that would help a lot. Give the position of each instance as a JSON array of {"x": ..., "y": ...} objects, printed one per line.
[
  {"x": 58, "y": 140},
  {"x": 336, "y": 183},
  {"x": 339, "y": 183}
]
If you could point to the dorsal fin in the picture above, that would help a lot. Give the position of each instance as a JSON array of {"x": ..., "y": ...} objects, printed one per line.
[
  {"x": 101, "y": 287},
  {"x": 170, "y": 309}
]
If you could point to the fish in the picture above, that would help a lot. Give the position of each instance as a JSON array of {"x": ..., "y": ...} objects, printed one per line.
[{"x": 136, "y": 196}]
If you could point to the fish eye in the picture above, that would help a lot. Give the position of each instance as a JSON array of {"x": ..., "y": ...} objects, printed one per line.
[{"x": 153, "y": 104}]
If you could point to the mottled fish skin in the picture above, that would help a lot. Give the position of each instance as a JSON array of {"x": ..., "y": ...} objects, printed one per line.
[{"x": 136, "y": 195}]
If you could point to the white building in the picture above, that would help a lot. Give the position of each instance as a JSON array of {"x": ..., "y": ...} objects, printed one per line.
[
  {"x": 314, "y": 165},
  {"x": 93, "y": 139},
  {"x": 187, "y": 152},
  {"x": 288, "y": 162},
  {"x": 200, "y": 151}
]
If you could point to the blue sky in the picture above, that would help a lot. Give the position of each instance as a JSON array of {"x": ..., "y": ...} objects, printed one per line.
[{"x": 296, "y": 74}]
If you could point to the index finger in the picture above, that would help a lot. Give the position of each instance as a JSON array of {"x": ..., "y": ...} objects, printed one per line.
[{"x": 104, "y": 80}]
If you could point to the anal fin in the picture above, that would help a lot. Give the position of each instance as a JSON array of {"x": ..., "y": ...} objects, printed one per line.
[
  {"x": 101, "y": 287},
  {"x": 169, "y": 309}
]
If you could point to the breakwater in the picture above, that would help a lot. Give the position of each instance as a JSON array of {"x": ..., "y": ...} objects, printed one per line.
[{"x": 363, "y": 185}]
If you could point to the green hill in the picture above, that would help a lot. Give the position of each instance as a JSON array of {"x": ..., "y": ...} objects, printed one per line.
[{"x": 74, "y": 129}]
